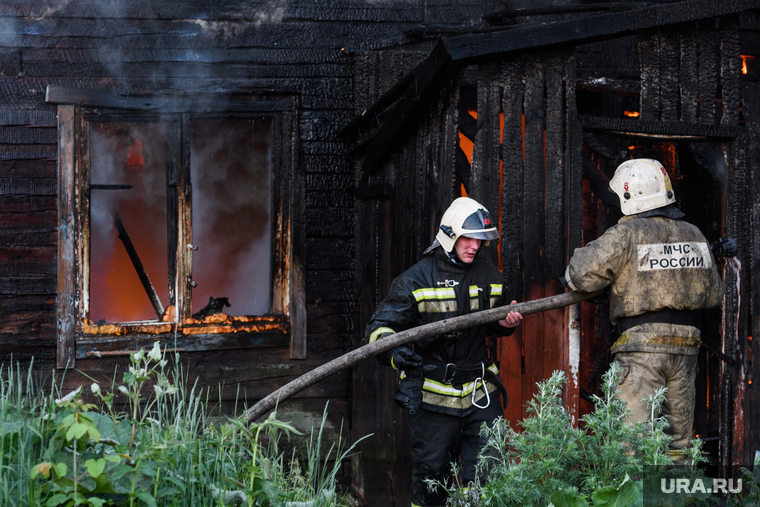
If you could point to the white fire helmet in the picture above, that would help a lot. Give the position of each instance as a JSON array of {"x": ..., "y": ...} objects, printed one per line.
[
  {"x": 465, "y": 217},
  {"x": 642, "y": 184}
]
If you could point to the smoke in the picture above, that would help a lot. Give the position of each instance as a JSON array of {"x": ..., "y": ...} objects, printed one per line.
[
  {"x": 116, "y": 293},
  {"x": 231, "y": 174}
]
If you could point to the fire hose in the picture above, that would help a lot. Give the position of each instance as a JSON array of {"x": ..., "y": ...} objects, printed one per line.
[{"x": 411, "y": 335}]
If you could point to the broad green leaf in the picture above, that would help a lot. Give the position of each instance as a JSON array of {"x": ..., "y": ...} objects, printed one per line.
[
  {"x": 76, "y": 431},
  {"x": 567, "y": 498},
  {"x": 97, "y": 502},
  {"x": 60, "y": 469},
  {"x": 627, "y": 494},
  {"x": 113, "y": 458},
  {"x": 56, "y": 500},
  {"x": 147, "y": 498},
  {"x": 95, "y": 467}
]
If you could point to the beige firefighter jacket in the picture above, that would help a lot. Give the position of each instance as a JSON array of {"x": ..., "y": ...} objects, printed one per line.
[{"x": 650, "y": 264}]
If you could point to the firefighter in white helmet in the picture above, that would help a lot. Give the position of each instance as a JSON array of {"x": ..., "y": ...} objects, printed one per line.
[
  {"x": 660, "y": 271},
  {"x": 450, "y": 383}
]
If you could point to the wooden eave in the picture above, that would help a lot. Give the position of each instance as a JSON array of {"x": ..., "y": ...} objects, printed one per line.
[{"x": 374, "y": 130}]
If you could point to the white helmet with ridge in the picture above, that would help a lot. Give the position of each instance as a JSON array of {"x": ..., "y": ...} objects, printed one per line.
[
  {"x": 465, "y": 217},
  {"x": 642, "y": 184}
]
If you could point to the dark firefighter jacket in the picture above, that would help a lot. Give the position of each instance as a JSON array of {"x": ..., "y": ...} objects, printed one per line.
[
  {"x": 651, "y": 264},
  {"x": 434, "y": 289}
]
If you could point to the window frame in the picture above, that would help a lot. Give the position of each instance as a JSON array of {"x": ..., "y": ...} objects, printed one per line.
[{"x": 76, "y": 338}]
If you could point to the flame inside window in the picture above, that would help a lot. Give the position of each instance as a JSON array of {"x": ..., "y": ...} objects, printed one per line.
[{"x": 130, "y": 158}]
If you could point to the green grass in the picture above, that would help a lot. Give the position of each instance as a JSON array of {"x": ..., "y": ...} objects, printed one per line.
[{"x": 162, "y": 449}]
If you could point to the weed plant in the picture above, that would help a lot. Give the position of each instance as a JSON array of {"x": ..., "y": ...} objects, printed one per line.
[
  {"x": 551, "y": 463},
  {"x": 163, "y": 450}
]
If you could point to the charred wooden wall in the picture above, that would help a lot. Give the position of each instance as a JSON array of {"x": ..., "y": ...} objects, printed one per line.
[
  {"x": 569, "y": 118},
  {"x": 299, "y": 49}
]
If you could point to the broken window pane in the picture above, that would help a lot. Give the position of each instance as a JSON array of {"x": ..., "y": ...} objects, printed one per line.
[
  {"x": 231, "y": 166},
  {"x": 128, "y": 220}
]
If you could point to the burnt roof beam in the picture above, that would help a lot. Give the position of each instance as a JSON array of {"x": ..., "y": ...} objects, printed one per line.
[{"x": 483, "y": 45}]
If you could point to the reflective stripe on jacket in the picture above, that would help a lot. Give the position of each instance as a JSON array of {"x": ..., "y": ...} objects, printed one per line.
[
  {"x": 432, "y": 290},
  {"x": 650, "y": 264}
]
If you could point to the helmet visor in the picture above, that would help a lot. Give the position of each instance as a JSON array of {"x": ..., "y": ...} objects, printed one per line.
[{"x": 485, "y": 234}]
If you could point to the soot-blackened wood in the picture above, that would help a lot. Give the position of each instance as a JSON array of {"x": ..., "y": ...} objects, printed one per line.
[
  {"x": 512, "y": 243},
  {"x": 66, "y": 313},
  {"x": 604, "y": 25},
  {"x": 554, "y": 255},
  {"x": 468, "y": 126},
  {"x": 673, "y": 130},
  {"x": 730, "y": 71},
  {"x": 731, "y": 380},
  {"x": 448, "y": 149},
  {"x": 708, "y": 72},
  {"x": 751, "y": 102},
  {"x": 484, "y": 177},
  {"x": 533, "y": 173},
  {"x": 669, "y": 75},
  {"x": 649, "y": 56},
  {"x": 688, "y": 76},
  {"x": 533, "y": 222},
  {"x": 433, "y": 73}
]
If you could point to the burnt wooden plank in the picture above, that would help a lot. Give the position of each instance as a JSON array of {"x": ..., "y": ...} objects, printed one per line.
[
  {"x": 554, "y": 255},
  {"x": 649, "y": 56},
  {"x": 434, "y": 72},
  {"x": 533, "y": 219},
  {"x": 21, "y": 207},
  {"x": 512, "y": 188},
  {"x": 730, "y": 71},
  {"x": 30, "y": 261},
  {"x": 105, "y": 346},
  {"x": 669, "y": 74},
  {"x": 330, "y": 222},
  {"x": 689, "y": 75},
  {"x": 18, "y": 235},
  {"x": 484, "y": 173},
  {"x": 27, "y": 118},
  {"x": 651, "y": 128},
  {"x": 708, "y": 74},
  {"x": 30, "y": 327},
  {"x": 750, "y": 95},
  {"x": 734, "y": 308},
  {"x": 26, "y": 135},
  {"x": 147, "y": 70},
  {"x": 19, "y": 285},
  {"x": 604, "y": 25},
  {"x": 28, "y": 169},
  {"x": 329, "y": 285},
  {"x": 68, "y": 245},
  {"x": 448, "y": 148},
  {"x": 27, "y": 152}
]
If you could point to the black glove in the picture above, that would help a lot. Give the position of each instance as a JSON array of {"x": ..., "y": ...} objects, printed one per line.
[
  {"x": 403, "y": 358},
  {"x": 725, "y": 247}
]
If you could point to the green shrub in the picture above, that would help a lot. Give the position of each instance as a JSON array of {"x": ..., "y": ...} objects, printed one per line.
[{"x": 551, "y": 463}]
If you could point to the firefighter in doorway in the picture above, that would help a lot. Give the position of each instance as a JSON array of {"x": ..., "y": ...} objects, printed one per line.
[
  {"x": 661, "y": 271},
  {"x": 449, "y": 383}
]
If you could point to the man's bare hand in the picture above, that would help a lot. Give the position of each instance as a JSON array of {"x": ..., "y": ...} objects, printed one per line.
[{"x": 512, "y": 319}]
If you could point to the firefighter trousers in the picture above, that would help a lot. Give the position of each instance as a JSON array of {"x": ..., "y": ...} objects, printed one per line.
[
  {"x": 438, "y": 440},
  {"x": 643, "y": 372}
]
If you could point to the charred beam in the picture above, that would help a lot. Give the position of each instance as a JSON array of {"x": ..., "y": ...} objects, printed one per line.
[
  {"x": 144, "y": 279},
  {"x": 655, "y": 129},
  {"x": 494, "y": 43}
]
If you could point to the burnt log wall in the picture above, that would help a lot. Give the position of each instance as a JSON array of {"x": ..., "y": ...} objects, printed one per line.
[{"x": 300, "y": 49}]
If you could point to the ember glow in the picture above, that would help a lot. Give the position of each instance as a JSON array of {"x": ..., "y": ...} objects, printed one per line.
[{"x": 631, "y": 114}]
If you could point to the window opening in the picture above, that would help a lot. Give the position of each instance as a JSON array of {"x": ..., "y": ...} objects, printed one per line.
[
  {"x": 231, "y": 167},
  {"x": 129, "y": 279}
]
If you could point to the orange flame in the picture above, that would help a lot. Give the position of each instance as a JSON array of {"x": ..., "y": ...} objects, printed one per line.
[
  {"x": 744, "y": 62},
  {"x": 631, "y": 114},
  {"x": 135, "y": 159}
]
